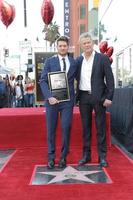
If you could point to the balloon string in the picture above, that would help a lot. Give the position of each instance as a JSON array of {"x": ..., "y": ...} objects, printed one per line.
[{"x": 6, "y": 37}]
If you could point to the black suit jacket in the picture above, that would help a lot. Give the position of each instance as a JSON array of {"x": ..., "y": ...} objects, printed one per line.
[{"x": 102, "y": 79}]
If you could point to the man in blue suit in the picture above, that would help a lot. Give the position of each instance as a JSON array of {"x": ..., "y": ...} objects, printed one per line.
[
  {"x": 54, "y": 107},
  {"x": 95, "y": 88}
]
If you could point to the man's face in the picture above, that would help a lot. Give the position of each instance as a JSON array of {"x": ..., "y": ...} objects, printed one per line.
[
  {"x": 62, "y": 48},
  {"x": 87, "y": 45}
]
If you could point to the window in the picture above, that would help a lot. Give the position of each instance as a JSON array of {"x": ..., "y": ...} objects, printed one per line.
[
  {"x": 82, "y": 11},
  {"x": 125, "y": 68},
  {"x": 82, "y": 28}
]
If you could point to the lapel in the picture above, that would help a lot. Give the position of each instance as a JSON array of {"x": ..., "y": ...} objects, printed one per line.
[
  {"x": 69, "y": 71},
  {"x": 94, "y": 63},
  {"x": 56, "y": 63},
  {"x": 80, "y": 66}
]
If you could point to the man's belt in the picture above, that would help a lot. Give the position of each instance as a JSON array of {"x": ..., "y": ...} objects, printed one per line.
[{"x": 86, "y": 91}]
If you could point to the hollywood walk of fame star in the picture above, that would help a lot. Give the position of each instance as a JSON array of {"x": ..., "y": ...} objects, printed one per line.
[
  {"x": 5, "y": 155},
  {"x": 70, "y": 173},
  {"x": 3, "y": 160}
]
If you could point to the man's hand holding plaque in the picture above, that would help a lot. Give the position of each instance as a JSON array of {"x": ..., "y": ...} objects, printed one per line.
[{"x": 53, "y": 101}]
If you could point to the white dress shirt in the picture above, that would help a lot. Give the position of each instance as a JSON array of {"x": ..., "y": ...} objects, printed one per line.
[
  {"x": 86, "y": 70},
  {"x": 62, "y": 64}
]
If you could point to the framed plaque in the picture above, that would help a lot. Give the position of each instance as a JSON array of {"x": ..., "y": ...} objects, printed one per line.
[{"x": 58, "y": 84}]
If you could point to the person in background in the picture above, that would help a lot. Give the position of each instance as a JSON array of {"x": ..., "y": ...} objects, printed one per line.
[
  {"x": 13, "y": 94},
  {"x": 19, "y": 90},
  {"x": 95, "y": 88},
  {"x": 29, "y": 93},
  {"x": 3, "y": 93},
  {"x": 54, "y": 108},
  {"x": 9, "y": 91},
  {"x": 19, "y": 94}
]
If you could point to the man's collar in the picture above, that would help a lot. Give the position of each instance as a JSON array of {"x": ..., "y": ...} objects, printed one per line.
[
  {"x": 60, "y": 57},
  {"x": 92, "y": 54}
]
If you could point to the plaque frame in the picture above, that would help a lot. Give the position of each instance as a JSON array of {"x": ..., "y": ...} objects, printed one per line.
[{"x": 58, "y": 85}]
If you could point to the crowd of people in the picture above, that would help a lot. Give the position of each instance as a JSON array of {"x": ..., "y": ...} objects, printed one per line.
[{"x": 16, "y": 92}]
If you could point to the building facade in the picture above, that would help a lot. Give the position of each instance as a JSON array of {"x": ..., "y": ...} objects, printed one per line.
[
  {"x": 75, "y": 22},
  {"x": 80, "y": 16},
  {"x": 116, "y": 17}
]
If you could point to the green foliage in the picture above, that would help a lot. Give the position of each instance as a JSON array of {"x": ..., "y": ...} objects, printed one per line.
[{"x": 51, "y": 32}]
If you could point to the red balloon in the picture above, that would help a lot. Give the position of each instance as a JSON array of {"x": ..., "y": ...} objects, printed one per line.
[
  {"x": 0, "y": 4},
  {"x": 7, "y": 13},
  {"x": 109, "y": 51},
  {"x": 103, "y": 46},
  {"x": 47, "y": 11}
]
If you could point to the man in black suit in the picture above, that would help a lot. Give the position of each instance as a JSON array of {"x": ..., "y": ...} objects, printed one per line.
[{"x": 95, "y": 88}]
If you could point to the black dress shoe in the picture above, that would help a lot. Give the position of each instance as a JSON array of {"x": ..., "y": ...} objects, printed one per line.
[
  {"x": 84, "y": 160},
  {"x": 62, "y": 163},
  {"x": 51, "y": 164},
  {"x": 103, "y": 162}
]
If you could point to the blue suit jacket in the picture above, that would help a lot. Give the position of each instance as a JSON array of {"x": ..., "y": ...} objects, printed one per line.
[{"x": 52, "y": 64}]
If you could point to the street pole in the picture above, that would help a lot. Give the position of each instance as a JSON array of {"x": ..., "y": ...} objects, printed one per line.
[{"x": 25, "y": 14}]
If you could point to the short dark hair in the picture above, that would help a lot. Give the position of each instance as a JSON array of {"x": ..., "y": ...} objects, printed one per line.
[
  {"x": 19, "y": 77},
  {"x": 63, "y": 38}
]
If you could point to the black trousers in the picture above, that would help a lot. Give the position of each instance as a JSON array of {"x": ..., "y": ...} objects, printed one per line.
[{"x": 86, "y": 107}]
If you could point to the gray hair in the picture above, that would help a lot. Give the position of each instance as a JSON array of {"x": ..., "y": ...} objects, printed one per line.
[{"x": 86, "y": 35}]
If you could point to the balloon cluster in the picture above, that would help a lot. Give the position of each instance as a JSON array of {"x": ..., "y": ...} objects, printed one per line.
[
  {"x": 47, "y": 11},
  {"x": 7, "y": 13},
  {"x": 103, "y": 46}
]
